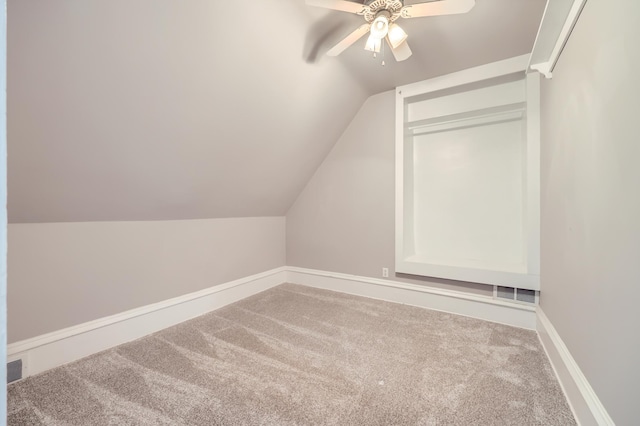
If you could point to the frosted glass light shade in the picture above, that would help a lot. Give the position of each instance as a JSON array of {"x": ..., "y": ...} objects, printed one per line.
[
  {"x": 396, "y": 35},
  {"x": 380, "y": 27},
  {"x": 373, "y": 44}
]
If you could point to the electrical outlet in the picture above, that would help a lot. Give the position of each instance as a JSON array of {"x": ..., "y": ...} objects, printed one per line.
[{"x": 385, "y": 272}]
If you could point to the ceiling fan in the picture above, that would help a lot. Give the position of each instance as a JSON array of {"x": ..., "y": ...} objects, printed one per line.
[{"x": 381, "y": 16}]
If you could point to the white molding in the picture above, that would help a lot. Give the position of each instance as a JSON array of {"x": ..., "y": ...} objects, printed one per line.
[
  {"x": 515, "y": 112},
  {"x": 532, "y": 175},
  {"x": 558, "y": 21},
  {"x": 455, "y": 302},
  {"x": 586, "y": 407},
  {"x": 471, "y": 75},
  {"x": 524, "y": 275},
  {"x": 60, "y": 347},
  {"x": 54, "y": 349}
]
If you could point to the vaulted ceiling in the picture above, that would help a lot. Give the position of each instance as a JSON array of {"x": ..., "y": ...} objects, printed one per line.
[{"x": 168, "y": 109}]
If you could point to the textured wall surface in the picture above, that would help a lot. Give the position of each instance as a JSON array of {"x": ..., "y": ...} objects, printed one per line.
[{"x": 591, "y": 202}]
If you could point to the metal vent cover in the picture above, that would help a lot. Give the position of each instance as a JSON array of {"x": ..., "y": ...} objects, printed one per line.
[
  {"x": 516, "y": 294},
  {"x": 528, "y": 296},
  {"x": 14, "y": 370},
  {"x": 506, "y": 292}
]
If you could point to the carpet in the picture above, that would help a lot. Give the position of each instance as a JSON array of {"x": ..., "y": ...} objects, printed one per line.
[{"x": 295, "y": 355}]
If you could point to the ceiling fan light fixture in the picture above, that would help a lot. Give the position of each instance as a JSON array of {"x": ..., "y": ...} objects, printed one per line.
[
  {"x": 396, "y": 35},
  {"x": 373, "y": 44},
  {"x": 380, "y": 17},
  {"x": 380, "y": 25}
]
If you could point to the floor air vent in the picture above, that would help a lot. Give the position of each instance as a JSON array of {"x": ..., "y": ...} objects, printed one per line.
[
  {"x": 528, "y": 296},
  {"x": 516, "y": 294},
  {"x": 506, "y": 292},
  {"x": 14, "y": 370}
]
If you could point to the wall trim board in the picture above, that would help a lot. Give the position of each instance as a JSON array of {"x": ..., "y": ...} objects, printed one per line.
[
  {"x": 556, "y": 26},
  {"x": 507, "y": 66},
  {"x": 585, "y": 404},
  {"x": 60, "y": 347},
  {"x": 450, "y": 301}
]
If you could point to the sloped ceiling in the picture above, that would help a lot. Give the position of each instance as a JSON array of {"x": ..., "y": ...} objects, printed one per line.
[{"x": 169, "y": 109}]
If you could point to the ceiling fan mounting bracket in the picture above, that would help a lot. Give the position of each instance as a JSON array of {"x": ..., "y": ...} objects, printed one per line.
[{"x": 373, "y": 8}]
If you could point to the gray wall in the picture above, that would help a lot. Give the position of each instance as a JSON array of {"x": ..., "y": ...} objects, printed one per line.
[
  {"x": 343, "y": 221},
  {"x": 591, "y": 202},
  {"x": 164, "y": 109},
  {"x": 3, "y": 211},
  {"x": 64, "y": 274}
]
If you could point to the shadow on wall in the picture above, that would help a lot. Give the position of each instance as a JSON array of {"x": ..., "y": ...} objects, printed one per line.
[{"x": 322, "y": 36}]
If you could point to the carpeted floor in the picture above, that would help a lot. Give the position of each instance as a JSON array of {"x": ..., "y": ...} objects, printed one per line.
[{"x": 295, "y": 355}]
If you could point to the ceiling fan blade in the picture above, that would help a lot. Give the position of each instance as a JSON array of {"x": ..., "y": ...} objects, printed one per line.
[
  {"x": 349, "y": 40},
  {"x": 342, "y": 5},
  {"x": 401, "y": 52},
  {"x": 435, "y": 8}
]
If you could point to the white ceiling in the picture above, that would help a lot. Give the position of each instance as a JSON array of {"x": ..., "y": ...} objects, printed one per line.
[{"x": 168, "y": 109}]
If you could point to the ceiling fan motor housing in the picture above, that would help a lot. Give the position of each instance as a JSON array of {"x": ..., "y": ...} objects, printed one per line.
[{"x": 373, "y": 9}]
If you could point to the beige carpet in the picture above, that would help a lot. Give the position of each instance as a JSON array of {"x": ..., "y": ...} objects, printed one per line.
[{"x": 300, "y": 356}]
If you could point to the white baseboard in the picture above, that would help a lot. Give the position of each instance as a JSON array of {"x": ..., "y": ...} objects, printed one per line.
[
  {"x": 60, "y": 347},
  {"x": 51, "y": 350},
  {"x": 586, "y": 407},
  {"x": 455, "y": 302}
]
